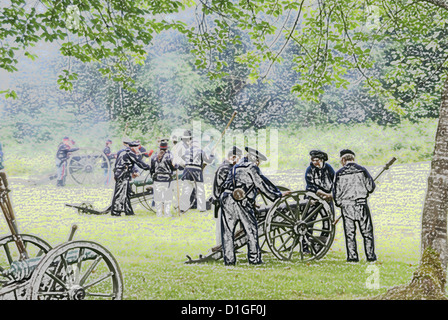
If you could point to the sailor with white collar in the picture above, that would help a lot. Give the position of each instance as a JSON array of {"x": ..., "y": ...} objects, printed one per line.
[{"x": 193, "y": 176}]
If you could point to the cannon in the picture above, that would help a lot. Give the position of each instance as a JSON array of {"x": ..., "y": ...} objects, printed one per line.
[
  {"x": 89, "y": 166},
  {"x": 86, "y": 166},
  {"x": 298, "y": 226},
  {"x": 31, "y": 269},
  {"x": 143, "y": 194}
]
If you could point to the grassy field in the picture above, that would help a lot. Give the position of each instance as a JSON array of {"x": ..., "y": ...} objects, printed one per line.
[
  {"x": 373, "y": 144},
  {"x": 151, "y": 251}
]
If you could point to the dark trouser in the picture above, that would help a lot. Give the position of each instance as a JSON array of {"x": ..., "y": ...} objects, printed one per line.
[
  {"x": 231, "y": 213},
  {"x": 61, "y": 173},
  {"x": 121, "y": 201},
  {"x": 360, "y": 213}
]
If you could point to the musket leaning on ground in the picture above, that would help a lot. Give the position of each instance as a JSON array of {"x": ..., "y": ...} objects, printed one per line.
[{"x": 386, "y": 167}]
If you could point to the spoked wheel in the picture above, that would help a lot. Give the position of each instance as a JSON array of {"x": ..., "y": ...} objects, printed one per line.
[
  {"x": 89, "y": 166},
  {"x": 263, "y": 205},
  {"x": 143, "y": 191},
  {"x": 300, "y": 226},
  {"x": 9, "y": 253},
  {"x": 77, "y": 270}
]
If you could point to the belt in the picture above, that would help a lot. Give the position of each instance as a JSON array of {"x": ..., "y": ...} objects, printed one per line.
[
  {"x": 193, "y": 166},
  {"x": 354, "y": 202}
]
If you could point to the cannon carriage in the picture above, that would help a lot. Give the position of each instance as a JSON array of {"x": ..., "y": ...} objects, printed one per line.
[
  {"x": 299, "y": 226},
  {"x": 142, "y": 194},
  {"x": 31, "y": 269}
]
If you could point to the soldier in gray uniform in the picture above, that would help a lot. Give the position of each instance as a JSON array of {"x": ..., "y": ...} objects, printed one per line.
[
  {"x": 233, "y": 157},
  {"x": 237, "y": 202},
  {"x": 352, "y": 186}
]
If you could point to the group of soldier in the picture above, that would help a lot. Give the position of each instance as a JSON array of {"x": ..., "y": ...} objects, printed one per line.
[
  {"x": 348, "y": 189},
  {"x": 186, "y": 157},
  {"x": 237, "y": 182}
]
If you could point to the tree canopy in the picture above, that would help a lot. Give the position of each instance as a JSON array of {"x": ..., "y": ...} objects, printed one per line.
[{"x": 306, "y": 61}]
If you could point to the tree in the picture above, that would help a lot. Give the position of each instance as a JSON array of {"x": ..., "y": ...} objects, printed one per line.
[
  {"x": 112, "y": 33},
  {"x": 335, "y": 38}
]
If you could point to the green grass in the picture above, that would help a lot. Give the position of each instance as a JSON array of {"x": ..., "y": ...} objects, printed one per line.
[
  {"x": 151, "y": 251},
  {"x": 373, "y": 144}
]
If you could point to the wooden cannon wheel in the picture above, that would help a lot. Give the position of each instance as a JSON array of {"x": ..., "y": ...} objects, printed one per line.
[
  {"x": 300, "y": 227},
  {"x": 77, "y": 270},
  {"x": 143, "y": 191},
  {"x": 88, "y": 166}
]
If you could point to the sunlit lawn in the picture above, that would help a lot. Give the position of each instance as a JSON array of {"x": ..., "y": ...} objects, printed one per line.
[{"x": 151, "y": 251}]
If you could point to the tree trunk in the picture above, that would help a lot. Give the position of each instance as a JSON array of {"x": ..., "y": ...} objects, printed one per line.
[
  {"x": 428, "y": 282},
  {"x": 434, "y": 217}
]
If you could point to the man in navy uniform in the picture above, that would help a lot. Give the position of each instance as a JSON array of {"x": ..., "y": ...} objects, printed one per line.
[
  {"x": 62, "y": 156},
  {"x": 162, "y": 170},
  {"x": 193, "y": 177},
  {"x": 237, "y": 203},
  {"x": 233, "y": 157},
  {"x": 319, "y": 178},
  {"x": 319, "y": 175},
  {"x": 110, "y": 157},
  {"x": 123, "y": 170},
  {"x": 352, "y": 186}
]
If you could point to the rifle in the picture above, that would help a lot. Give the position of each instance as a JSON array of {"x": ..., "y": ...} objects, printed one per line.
[{"x": 386, "y": 167}]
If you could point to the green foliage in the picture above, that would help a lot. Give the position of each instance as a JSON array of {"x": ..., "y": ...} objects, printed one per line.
[
  {"x": 373, "y": 144},
  {"x": 274, "y": 62},
  {"x": 112, "y": 33}
]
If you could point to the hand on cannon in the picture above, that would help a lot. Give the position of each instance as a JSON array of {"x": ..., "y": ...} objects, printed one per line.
[
  {"x": 286, "y": 193},
  {"x": 324, "y": 196},
  {"x": 135, "y": 175}
]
